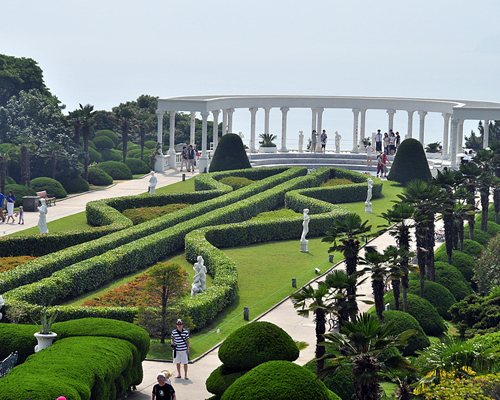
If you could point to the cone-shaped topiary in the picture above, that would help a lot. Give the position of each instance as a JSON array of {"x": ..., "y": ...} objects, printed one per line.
[
  {"x": 256, "y": 343},
  {"x": 278, "y": 380},
  {"x": 409, "y": 163},
  {"x": 230, "y": 154}
]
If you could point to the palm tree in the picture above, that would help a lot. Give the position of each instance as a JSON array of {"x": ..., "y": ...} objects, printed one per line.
[
  {"x": 365, "y": 339},
  {"x": 347, "y": 232},
  {"x": 495, "y": 147},
  {"x": 75, "y": 119},
  {"x": 484, "y": 159},
  {"x": 397, "y": 260},
  {"x": 53, "y": 151},
  {"x": 376, "y": 266},
  {"x": 4, "y": 159},
  {"x": 125, "y": 116},
  {"x": 317, "y": 301},
  {"x": 87, "y": 118}
]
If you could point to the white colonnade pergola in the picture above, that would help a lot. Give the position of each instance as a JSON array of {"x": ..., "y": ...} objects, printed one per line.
[{"x": 454, "y": 112}]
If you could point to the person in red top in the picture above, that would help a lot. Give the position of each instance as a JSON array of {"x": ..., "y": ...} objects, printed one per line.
[{"x": 385, "y": 161}]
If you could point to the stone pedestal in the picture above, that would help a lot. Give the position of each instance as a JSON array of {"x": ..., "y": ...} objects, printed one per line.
[
  {"x": 160, "y": 163},
  {"x": 303, "y": 246},
  {"x": 30, "y": 203},
  {"x": 368, "y": 207}
]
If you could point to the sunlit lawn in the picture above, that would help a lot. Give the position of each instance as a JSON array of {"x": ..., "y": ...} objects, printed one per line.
[{"x": 71, "y": 222}]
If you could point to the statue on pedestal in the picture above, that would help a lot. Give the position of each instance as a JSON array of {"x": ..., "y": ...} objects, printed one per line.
[
  {"x": 42, "y": 217},
  {"x": 152, "y": 183},
  {"x": 301, "y": 141},
  {"x": 305, "y": 230},
  {"x": 368, "y": 204},
  {"x": 200, "y": 277},
  {"x": 337, "y": 142}
]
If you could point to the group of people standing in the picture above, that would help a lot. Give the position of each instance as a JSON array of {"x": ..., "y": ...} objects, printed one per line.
[
  {"x": 188, "y": 158},
  {"x": 7, "y": 206},
  {"x": 314, "y": 141},
  {"x": 390, "y": 141}
]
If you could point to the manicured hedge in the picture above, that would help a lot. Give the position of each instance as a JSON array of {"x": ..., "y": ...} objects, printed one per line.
[
  {"x": 75, "y": 185},
  {"x": 111, "y": 155},
  {"x": 473, "y": 248},
  {"x": 137, "y": 166},
  {"x": 220, "y": 379},
  {"x": 437, "y": 295},
  {"x": 461, "y": 261},
  {"x": 404, "y": 321},
  {"x": 116, "y": 170},
  {"x": 94, "y": 155},
  {"x": 99, "y": 178},
  {"x": 50, "y": 185},
  {"x": 340, "y": 382},
  {"x": 103, "y": 142},
  {"x": 105, "y": 132}
]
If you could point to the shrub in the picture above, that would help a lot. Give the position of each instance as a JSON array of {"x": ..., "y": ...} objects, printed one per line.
[
  {"x": 473, "y": 248},
  {"x": 110, "y": 134},
  {"x": 337, "y": 182},
  {"x": 150, "y": 144},
  {"x": 477, "y": 315},
  {"x": 136, "y": 153},
  {"x": 103, "y": 142},
  {"x": 340, "y": 382},
  {"x": 437, "y": 295},
  {"x": 94, "y": 156},
  {"x": 220, "y": 379},
  {"x": 137, "y": 166},
  {"x": 409, "y": 163},
  {"x": 19, "y": 192},
  {"x": 480, "y": 236},
  {"x": 256, "y": 343},
  {"x": 111, "y": 155},
  {"x": 236, "y": 182},
  {"x": 116, "y": 170},
  {"x": 423, "y": 311},
  {"x": 10, "y": 181},
  {"x": 493, "y": 228},
  {"x": 143, "y": 214},
  {"x": 278, "y": 380},
  {"x": 75, "y": 185},
  {"x": 461, "y": 261},
  {"x": 52, "y": 187},
  {"x": 91, "y": 144},
  {"x": 130, "y": 146},
  {"x": 274, "y": 215},
  {"x": 98, "y": 177},
  {"x": 404, "y": 321},
  {"x": 230, "y": 154}
]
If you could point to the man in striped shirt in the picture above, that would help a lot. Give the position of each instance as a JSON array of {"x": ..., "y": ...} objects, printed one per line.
[{"x": 180, "y": 339}]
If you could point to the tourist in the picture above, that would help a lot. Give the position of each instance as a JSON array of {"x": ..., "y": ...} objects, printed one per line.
[
  {"x": 21, "y": 215},
  {"x": 384, "y": 163},
  {"x": 2, "y": 202},
  {"x": 378, "y": 141},
  {"x": 392, "y": 143},
  {"x": 380, "y": 165},
  {"x": 163, "y": 390},
  {"x": 314, "y": 140},
  {"x": 191, "y": 158},
  {"x": 184, "y": 158},
  {"x": 387, "y": 142},
  {"x": 11, "y": 199},
  {"x": 323, "y": 141},
  {"x": 398, "y": 141},
  {"x": 369, "y": 154},
  {"x": 180, "y": 344}
]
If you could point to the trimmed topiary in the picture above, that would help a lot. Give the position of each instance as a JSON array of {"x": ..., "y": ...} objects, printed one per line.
[
  {"x": 98, "y": 177},
  {"x": 130, "y": 146},
  {"x": 480, "y": 236},
  {"x": 404, "y": 321},
  {"x": 91, "y": 144},
  {"x": 256, "y": 343},
  {"x": 461, "y": 261},
  {"x": 52, "y": 187},
  {"x": 150, "y": 144},
  {"x": 136, "y": 153},
  {"x": 437, "y": 295},
  {"x": 19, "y": 192},
  {"x": 236, "y": 182},
  {"x": 116, "y": 170},
  {"x": 111, "y": 154},
  {"x": 75, "y": 185},
  {"x": 110, "y": 134},
  {"x": 278, "y": 380},
  {"x": 409, "y": 163},
  {"x": 493, "y": 228},
  {"x": 423, "y": 311},
  {"x": 137, "y": 166},
  {"x": 473, "y": 248},
  {"x": 103, "y": 142},
  {"x": 220, "y": 379},
  {"x": 340, "y": 382},
  {"x": 230, "y": 154},
  {"x": 10, "y": 181},
  {"x": 94, "y": 156}
]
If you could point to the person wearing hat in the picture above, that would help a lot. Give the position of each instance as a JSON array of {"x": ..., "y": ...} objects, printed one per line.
[
  {"x": 180, "y": 343},
  {"x": 163, "y": 390}
]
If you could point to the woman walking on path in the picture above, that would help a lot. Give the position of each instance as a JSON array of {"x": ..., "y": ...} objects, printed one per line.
[{"x": 11, "y": 199}]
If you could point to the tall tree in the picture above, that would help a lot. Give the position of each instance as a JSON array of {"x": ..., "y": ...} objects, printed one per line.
[
  {"x": 4, "y": 159},
  {"x": 484, "y": 159},
  {"x": 471, "y": 173},
  {"x": 376, "y": 267},
  {"x": 125, "y": 116},
  {"x": 87, "y": 118}
]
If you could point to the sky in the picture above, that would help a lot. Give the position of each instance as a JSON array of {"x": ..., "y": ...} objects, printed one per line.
[{"x": 108, "y": 52}]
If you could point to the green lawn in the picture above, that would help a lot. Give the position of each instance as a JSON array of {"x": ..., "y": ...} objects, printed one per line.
[{"x": 73, "y": 222}]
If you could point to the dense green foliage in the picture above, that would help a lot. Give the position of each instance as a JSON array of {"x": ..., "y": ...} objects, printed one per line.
[
  {"x": 19, "y": 192},
  {"x": 98, "y": 177},
  {"x": 94, "y": 155},
  {"x": 103, "y": 142},
  {"x": 437, "y": 295},
  {"x": 221, "y": 378},
  {"x": 110, "y": 134},
  {"x": 137, "y": 166},
  {"x": 117, "y": 170},
  {"x": 473, "y": 248},
  {"x": 340, "y": 382},
  {"x": 75, "y": 185},
  {"x": 461, "y": 261},
  {"x": 110, "y": 155},
  {"x": 51, "y": 186},
  {"x": 230, "y": 154},
  {"x": 143, "y": 214},
  {"x": 402, "y": 322},
  {"x": 236, "y": 182},
  {"x": 409, "y": 163}
]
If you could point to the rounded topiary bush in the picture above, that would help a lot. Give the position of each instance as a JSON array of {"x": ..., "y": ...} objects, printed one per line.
[
  {"x": 461, "y": 261},
  {"x": 480, "y": 236},
  {"x": 220, "y": 379},
  {"x": 230, "y": 154},
  {"x": 256, "y": 343},
  {"x": 110, "y": 134},
  {"x": 423, "y": 311},
  {"x": 409, "y": 163},
  {"x": 278, "y": 380},
  {"x": 404, "y": 321},
  {"x": 111, "y": 155},
  {"x": 19, "y": 192},
  {"x": 493, "y": 228},
  {"x": 473, "y": 248},
  {"x": 75, "y": 185},
  {"x": 150, "y": 144},
  {"x": 136, "y": 153},
  {"x": 137, "y": 166},
  {"x": 94, "y": 156},
  {"x": 10, "y": 181},
  {"x": 437, "y": 295},
  {"x": 98, "y": 177},
  {"x": 130, "y": 146},
  {"x": 103, "y": 142},
  {"x": 116, "y": 170},
  {"x": 451, "y": 278},
  {"x": 340, "y": 382},
  {"x": 52, "y": 187},
  {"x": 91, "y": 144}
]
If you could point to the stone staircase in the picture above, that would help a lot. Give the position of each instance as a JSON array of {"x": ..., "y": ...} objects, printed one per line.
[{"x": 353, "y": 162}]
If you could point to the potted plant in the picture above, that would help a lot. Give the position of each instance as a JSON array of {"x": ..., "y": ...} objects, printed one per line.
[
  {"x": 432, "y": 150},
  {"x": 266, "y": 144},
  {"x": 45, "y": 336}
]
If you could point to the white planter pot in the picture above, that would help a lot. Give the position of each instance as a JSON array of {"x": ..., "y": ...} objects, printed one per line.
[
  {"x": 433, "y": 155},
  {"x": 44, "y": 340},
  {"x": 268, "y": 149}
]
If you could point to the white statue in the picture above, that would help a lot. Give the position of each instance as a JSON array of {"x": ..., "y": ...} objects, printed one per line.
[
  {"x": 373, "y": 139},
  {"x": 2, "y": 303},
  {"x": 368, "y": 204},
  {"x": 301, "y": 141},
  {"x": 42, "y": 217},
  {"x": 152, "y": 183},
  {"x": 200, "y": 277},
  {"x": 337, "y": 142},
  {"x": 305, "y": 230}
]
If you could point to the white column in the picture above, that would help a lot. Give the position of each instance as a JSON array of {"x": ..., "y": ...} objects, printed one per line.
[
  {"x": 192, "y": 128},
  {"x": 253, "y": 112},
  {"x": 284, "y": 112},
  {"x": 421, "y": 135},
  {"x": 391, "y": 120},
  {"x": 224, "y": 122},
  {"x": 486, "y": 133},
  {"x": 410, "y": 123},
  {"x": 362, "y": 125},
  {"x": 446, "y": 132},
  {"x": 267, "y": 110},
  {"x": 355, "y": 149},
  {"x": 319, "y": 113},
  {"x": 230, "y": 112},
  {"x": 204, "y": 157},
  {"x": 171, "y": 150},
  {"x": 215, "y": 138},
  {"x": 460, "y": 135},
  {"x": 454, "y": 141},
  {"x": 314, "y": 124},
  {"x": 159, "y": 138}
]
